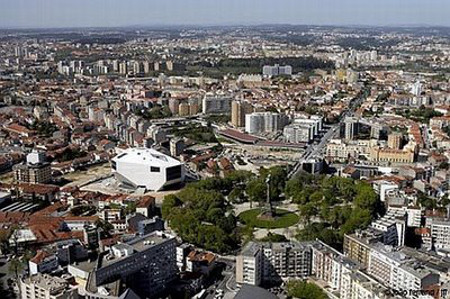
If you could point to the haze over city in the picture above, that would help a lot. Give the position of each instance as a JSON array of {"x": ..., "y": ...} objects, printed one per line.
[
  {"x": 241, "y": 149},
  {"x": 113, "y": 13}
]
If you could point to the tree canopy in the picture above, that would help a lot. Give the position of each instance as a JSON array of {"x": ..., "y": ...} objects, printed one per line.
[
  {"x": 304, "y": 290},
  {"x": 332, "y": 206},
  {"x": 200, "y": 214}
]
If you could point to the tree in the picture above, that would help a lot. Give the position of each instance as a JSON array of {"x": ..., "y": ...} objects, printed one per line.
[
  {"x": 274, "y": 238},
  {"x": 15, "y": 267},
  {"x": 170, "y": 201},
  {"x": 304, "y": 290},
  {"x": 4, "y": 240},
  {"x": 256, "y": 190}
]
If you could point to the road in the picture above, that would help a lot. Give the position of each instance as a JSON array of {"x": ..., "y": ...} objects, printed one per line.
[
  {"x": 227, "y": 283},
  {"x": 317, "y": 151}
]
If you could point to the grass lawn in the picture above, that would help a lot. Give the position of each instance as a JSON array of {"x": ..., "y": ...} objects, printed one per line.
[{"x": 283, "y": 219}]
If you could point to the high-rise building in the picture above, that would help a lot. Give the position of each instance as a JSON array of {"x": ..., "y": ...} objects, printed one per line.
[
  {"x": 176, "y": 146},
  {"x": 156, "y": 66},
  {"x": 169, "y": 65},
  {"x": 216, "y": 104},
  {"x": 303, "y": 129},
  {"x": 115, "y": 66},
  {"x": 374, "y": 55},
  {"x": 264, "y": 122},
  {"x": 193, "y": 108},
  {"x": 416, "y": 88},
  {"x": 399, "y": 271},
  {"x": 330, "y": 266},
  {"x": 137, "y": 67},
  {"x": 350, "y": 128},
  {"x": 238, "y": 111},
  {"x": 183, "y": 109},
  {"x": 356, "y": 246},
  {"x": 123, "y": 68},
  {"x": 146, "y": 66},
  {"x": 297, "y": 133},
  {"x": 174, "y": 106}
]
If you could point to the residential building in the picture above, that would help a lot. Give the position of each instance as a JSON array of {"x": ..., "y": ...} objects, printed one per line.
[
  {"x": 35, "y": 171},
  {"x": 273, "y": 262},
  {"x": 44, "y": 286},
  {"x": 238, "y": 111},
  {"x": 216, "y": 104},
  {"x": 43, "y": 262},
  {"x": 277, "y": 70},
  {"x": 264, "y": 122},
  {"x": 146, "y": 264}
]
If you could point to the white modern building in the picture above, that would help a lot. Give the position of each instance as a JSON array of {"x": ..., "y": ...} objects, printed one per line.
[{"x": 147, "y": 168}]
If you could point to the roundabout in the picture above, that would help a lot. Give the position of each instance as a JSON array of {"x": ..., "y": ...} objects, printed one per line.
[{"x": 280, "y": 219}]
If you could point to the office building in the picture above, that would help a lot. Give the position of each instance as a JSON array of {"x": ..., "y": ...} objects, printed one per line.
[{"x": 147, "y": 168}]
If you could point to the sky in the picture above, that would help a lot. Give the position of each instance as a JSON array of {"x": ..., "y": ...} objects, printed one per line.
[{"x": 115, "y": 13}]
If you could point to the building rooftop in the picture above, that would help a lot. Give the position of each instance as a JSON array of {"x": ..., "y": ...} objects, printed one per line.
[
  {"x": 137, "y": 244},
  {"x": 249, "y": 291},
  {"x": 54, "y": 285},
  {"x": 146, "y": 156}
]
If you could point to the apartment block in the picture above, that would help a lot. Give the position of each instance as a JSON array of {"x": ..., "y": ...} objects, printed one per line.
[{"x": 273, "y": 262}]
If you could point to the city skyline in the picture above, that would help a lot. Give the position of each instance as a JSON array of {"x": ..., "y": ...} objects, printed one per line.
[{"x": 116, "y": 13}]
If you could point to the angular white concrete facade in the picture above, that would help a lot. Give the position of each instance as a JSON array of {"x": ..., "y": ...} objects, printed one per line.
[{"x": 147, "y": 168}]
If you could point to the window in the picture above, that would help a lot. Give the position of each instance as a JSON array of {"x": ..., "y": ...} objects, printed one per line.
[
  {"x": 155, "y": 169},
  {"x": 173, "y": 173}
]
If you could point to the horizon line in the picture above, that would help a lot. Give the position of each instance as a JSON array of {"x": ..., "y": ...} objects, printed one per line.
[{"x": 412, "y": 25}]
